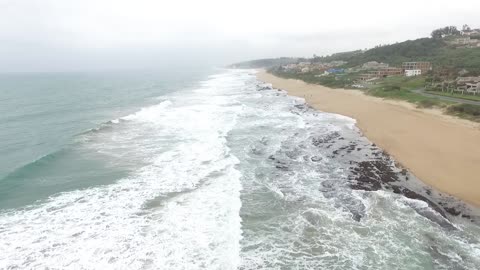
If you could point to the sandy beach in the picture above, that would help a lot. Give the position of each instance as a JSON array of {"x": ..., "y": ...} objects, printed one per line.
[{"x": 441, "y": 150}]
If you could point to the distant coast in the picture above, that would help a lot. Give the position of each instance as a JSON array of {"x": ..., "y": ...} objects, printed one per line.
[{"x": 441, "y": 150}]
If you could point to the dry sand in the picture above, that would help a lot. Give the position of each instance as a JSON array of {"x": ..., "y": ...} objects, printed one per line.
[{"x": 441, "y": 150}]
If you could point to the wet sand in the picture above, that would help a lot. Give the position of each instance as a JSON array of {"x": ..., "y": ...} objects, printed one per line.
[{"x": 442, "y": 151}]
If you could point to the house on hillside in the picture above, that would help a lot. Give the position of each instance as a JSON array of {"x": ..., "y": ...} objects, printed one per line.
[
  {"x": 463, "y": 72},
  {"x": 367, "y": 77},
  {"x": 462, "y": 40},
  {"x": 304, "y": 64},
  {"x": 381, "y": 73},
  {"x": 413, "y": 72},
  {"x": 305, "y": 70},
  {"x": 290, "y": 67},
  {"x": 470, "y": 32},
  {"x": 465, "y": 41},
  {"x": 465, "y": 80},
  {"x": 390, "y": 71},
  {"x": 423, "y": 66},
  {"x": 335, "y": 71}
]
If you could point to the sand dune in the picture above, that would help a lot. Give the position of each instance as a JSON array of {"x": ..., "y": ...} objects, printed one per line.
[{"x": 442, "y": 151}]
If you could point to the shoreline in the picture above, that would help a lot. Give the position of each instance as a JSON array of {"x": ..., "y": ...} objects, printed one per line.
[{"x": 442, "y": 151}]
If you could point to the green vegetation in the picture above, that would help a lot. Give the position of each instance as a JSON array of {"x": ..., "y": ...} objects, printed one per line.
[
  {"x": 436, "y": 51},
  {"x": 399, "y": 88},
  {"x": 423, "y": 49},
  {"x": 430, "y": 103},
  {"x": 467, "y": 111},
  {"x": 407, "y": 83},
  {"x": 333, "y": 81},
  {"x": 457, "y": 59},
  {"x": 406, "y": 95},
  {"x": 396, "y": 88},
  {"x": 445, "y": 31},
  {"x": 454, "y": 95}
]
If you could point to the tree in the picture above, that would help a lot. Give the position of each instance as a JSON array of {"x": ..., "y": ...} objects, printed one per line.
[
  {"x": 437, "y": 34},
  {"x": 444, "y": 32},
  {"x": 466, "y": 28}
]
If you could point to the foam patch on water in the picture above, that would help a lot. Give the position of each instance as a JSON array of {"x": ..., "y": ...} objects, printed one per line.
[
  {"x": 109, "y": 227},
  {"x": 179, "y": 211},
  {"x": 149, "y": 113},
  {"x": 300, "y": 213}
]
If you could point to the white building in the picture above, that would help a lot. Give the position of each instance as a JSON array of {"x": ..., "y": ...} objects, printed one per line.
[
  {"x": 472, "y": 32},
  {"x": 413, "y": 72},
  {"x": 290, "y": 66},
  {"x": 465, "y": 40},
  {"x": 305, "y": 70}
]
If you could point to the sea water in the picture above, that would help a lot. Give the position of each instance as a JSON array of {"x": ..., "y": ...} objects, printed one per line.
[{"x": 205, "y": 169}]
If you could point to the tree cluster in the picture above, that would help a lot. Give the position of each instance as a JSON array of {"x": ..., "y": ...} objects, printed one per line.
[{"x": 445, "y": 31}]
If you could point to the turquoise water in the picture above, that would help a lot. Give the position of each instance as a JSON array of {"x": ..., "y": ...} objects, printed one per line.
[{"x": 43, "y": 114}]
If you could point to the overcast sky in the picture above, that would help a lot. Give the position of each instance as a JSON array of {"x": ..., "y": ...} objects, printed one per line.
[{"x": 55, "y": 35}]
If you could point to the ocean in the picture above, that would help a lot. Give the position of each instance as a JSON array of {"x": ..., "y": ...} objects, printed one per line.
[{"x": 206, "y": 169}]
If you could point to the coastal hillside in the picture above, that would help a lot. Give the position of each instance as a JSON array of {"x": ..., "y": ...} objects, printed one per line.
[
  {"x": 447, "y": 50},
  {"x": 395, "y": 54},
  {"x": 442, "y": 70},
  {"x": 440, "y": 52}
]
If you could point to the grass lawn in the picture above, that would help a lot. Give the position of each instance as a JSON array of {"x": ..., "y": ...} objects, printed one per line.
[
  {"x": 400, "y": 83},
  {"x": 343, "y": 80},
  {"x": 399, "y": 87},
  {"x": 455, "y": 95}
]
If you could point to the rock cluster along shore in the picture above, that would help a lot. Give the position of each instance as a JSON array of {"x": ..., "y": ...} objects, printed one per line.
[
  {"x": 380, "y": 173},
  {"x": 372, "y": 169}
]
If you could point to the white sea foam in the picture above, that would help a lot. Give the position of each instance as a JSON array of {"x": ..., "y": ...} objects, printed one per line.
[
  {"x": 179, "y": 211},
  {"x": 149, "y": 113},
  {"x": 201, "y": 152},
  {"x": 300, "y": 213}
]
